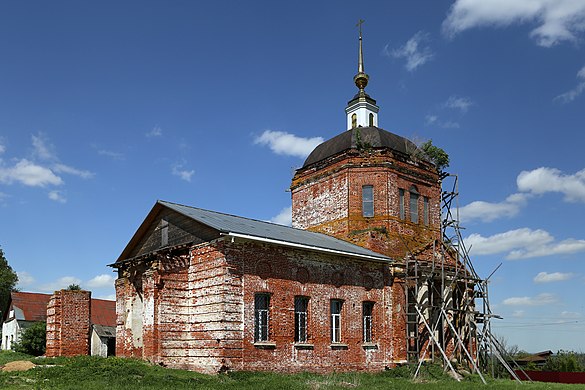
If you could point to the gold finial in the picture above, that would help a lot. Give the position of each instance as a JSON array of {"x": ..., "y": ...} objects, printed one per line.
[{"x": 361, "y": 78}]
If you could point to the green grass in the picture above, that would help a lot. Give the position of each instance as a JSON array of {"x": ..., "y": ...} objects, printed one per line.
[{"x": 89, "y": 373}]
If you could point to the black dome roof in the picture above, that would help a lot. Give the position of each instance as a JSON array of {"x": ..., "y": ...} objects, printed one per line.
[{"x": 369, "y": 137}]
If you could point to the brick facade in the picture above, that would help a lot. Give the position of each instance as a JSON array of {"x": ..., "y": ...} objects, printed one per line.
[{"x": 68, "y": 323}]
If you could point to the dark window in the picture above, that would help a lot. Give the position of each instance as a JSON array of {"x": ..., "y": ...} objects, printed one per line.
[
  {"x": 371, "y": 119},
  {"x": 261, "y": 304},
  {"x": 426, "y": 210},
  {"x": 413, "y": 204},
  {"x": 367, "y": 309},
  {"x": 401, "y": 197},
  {"x": 368, "y": 201},
  {"x": 336, "y": 320},
  {"x": 353, "y": 121},
  {"x": 301, "y": 306}
]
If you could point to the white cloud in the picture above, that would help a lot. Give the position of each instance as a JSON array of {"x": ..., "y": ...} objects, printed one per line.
[
  {"x": 110, "y": 297},
  {"x": 287, "y": 144},
  {"x": 57, "y": 196},
  {"x": 539, "y": 300},
  {"x": 42, "y": 148},
  {"x": 557, "y": 20},
  {"x": 522, "y": 243},
  {"x": 62, "y": 168},
  {"x": 414, "y": 51},
  {"x": 155, "y": 132},
  {"x": 30, "y": 174},
  {"x": 284, "y": 217},
  {"x": 487, "y": 211},
  {"x": 543, "y": 180},
  {"x": 184, "y": 174},
  {"x": 101, "y": 281},
  {"x": 60, "y": 283},
  {"x": 574, "y": 93},
  {"x": 111, "y": 154},
  {"x": 25, "y": 279},
  {"x": 518, "y": 313},
  {"x": 2, "y": 147},
  {"x": 458, "y": 103},
  {"x": 545, "y": 277}
]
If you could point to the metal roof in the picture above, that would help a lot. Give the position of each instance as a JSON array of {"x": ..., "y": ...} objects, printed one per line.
[
  {"x": 270, "y": 232},
  {"x": 104, "y": 331},
  {"x": 350, "y": 139}
]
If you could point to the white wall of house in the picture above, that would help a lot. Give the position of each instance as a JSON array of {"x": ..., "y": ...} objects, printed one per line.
[
  {"x": 99, "y": 346},
  {"x": 10, "y": 333}
]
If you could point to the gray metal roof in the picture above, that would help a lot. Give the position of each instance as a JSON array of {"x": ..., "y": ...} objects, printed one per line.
[
  {"x": 227, "y": 224},
  {"x": 105, "y": 331}
]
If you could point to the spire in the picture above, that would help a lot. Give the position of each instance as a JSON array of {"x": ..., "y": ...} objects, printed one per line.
[
  {"x": 362, "y": 110},
  {"x": 361, "y": 78}
]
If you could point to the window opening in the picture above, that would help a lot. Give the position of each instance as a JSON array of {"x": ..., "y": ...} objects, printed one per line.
[
  {"x": 301, "y": 306},
  {"x": 401, "y": 200},
  {"x": 426, "y": 210},
  {"x": 368, "y": 201},
  {"x": 353, "y": 121},
  {"x": 336, "y": 320},
  {"x": 367, "y": 308},
  {"x": 413, "y": 204},
  {"x": 371, "y": 119},
  {"x": 261, "y": 304}
]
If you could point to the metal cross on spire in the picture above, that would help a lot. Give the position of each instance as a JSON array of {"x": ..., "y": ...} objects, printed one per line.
[{"x": 360, "y": 54}]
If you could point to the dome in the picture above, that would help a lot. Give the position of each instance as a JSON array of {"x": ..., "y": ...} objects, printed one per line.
[{"x": 368, "y": 137}]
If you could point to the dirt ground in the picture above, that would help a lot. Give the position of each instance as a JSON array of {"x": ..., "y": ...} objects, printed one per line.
[{"x": 19, "y": 365}]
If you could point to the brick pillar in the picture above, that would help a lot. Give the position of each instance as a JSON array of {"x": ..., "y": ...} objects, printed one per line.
[{"x": 69, "y": 323}]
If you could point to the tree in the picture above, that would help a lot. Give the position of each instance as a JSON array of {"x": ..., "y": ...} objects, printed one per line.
[
  {"x": 8, "y": 280},
  {"x": 437, "y": 155},
  {"x": 33, "y": 340},
  {"x": 73, "y": 287},
  {"x": 564, "y": 361}
]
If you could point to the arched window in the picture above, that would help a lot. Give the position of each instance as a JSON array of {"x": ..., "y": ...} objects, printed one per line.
[
  {"x": 413, "y": 204},
  {"x": 371, "y": 119},
  {"x": 353, "y": 121}
]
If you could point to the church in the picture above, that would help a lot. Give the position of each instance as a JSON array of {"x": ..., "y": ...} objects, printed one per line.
[{"x": 362, "y": 281}]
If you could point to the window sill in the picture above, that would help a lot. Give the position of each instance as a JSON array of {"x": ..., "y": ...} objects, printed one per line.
[
  {"x": 370, "y": 346},
  {"x": 338, "y": 346},
  {"x": 265, "y": 345},
  {"x": 304, "y": 346}
]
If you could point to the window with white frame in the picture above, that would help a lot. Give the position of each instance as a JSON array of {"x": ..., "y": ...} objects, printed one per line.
[
  {"x": 301, "y": 310},
  {"x": 261, "y": 316},
  {"x": 367, "y": 309},
  {"x": 336, "y": 305}
]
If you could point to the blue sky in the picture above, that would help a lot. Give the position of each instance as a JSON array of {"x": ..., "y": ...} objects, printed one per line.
[{"x": 107, "y": 106}]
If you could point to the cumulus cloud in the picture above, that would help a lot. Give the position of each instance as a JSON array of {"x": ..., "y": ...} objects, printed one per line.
[
  {"x": 111, "y": 154},
  {"x": 29, "y": 174},
  {"x": 57, "y": 196},
  {"x": 101, "y": 281},
  {"x": 288, "y": 144},
  {"x": 62, "y": 168},
  {"x": 543, "y": 180},
  {"x": 539, "y": 300},
  {"x": 458, "y": 103},
  {"x": 522, "y": 243},
  {"x": 183, "y": 174},
  {"x": 414, "y": 51},
  {"x": 556, "y": 20},
  {"x": 488, "y": 211},
  {"x": 284, "y": 217},
  {"x": 155, "y": 132},
  {"x": 574, "y": 93},
  {"x": 545, "y": 277},
  {"x": 60, "y": 283}
]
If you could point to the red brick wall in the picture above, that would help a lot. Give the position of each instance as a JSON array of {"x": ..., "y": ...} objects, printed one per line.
[
  {"x": 68, "y": 323},
  {"x": 329, "y": 199}
]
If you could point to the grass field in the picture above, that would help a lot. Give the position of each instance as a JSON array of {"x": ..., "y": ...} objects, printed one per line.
[{"x": 88, "y": 373}]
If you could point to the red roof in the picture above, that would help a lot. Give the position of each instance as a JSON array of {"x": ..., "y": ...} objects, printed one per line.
[
  {"x": 34, "y": 308},
  {"x": 32, "y": 305},
  {"x": 103, "y": 312}
]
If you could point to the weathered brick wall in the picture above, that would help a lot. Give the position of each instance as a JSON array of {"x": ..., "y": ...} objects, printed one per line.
[
  {"x": 68, "y": 323},
  {"x": 329, "y": 199}
]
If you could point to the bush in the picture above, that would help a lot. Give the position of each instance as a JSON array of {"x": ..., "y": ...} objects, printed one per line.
[
  {"x": 564, "y": 361},
  {"x": 33, "y": 340}
]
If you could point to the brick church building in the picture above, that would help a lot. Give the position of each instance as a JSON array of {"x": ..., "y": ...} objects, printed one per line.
[{"x": 338, "y": 291}]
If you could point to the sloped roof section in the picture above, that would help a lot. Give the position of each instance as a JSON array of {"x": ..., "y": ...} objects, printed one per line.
[
  {"x": 105, "y": 331},
  {"x": 279, "y": 234},
  {"x": 30, "y": 306},
  {"x": 103, "y": 312}
]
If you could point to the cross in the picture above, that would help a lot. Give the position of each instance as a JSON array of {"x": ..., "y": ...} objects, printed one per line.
[{"x": 359, "y": 24}]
